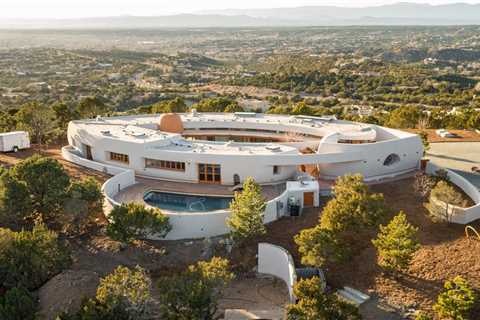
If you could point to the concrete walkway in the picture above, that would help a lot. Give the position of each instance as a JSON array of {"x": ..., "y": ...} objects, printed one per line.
[{"x": 136, "y": 192}]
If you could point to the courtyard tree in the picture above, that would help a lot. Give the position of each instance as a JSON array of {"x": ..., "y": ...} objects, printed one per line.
[
  {"x": 313, "y": 303},
  {"x": 247, "y": 207},
  {"x": 426, "y": 144},
  {"x": 134, "y": 221},
  {"x": 46, "y": 181},
  {"x": 446, "y": 194},
  {"x": 319, "y": 246},
  {"x": 456, "y": 301},
  {"x": 423, "y": 184},
  {"x": 353, "y": 206},
  {"x": 194, "y": 294},
  {"x": 396, "y": 243},
  {"x": 29, "y": 258}
]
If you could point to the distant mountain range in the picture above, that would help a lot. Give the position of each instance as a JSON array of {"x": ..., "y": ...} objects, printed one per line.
[{"x": 395, "y": 14}]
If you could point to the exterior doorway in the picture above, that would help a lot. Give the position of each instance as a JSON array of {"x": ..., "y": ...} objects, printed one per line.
[
  {"x": 209, "y": 173},
  {"x": 308, "y": 199},
  {"x": 88, "y": 152},
  {"x": 236, "y": 179}
]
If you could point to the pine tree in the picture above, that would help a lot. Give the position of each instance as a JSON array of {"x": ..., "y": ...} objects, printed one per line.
[
  {"x": 247, "y": 210},
  {"x": 396, "y": 244},
  {"x": 456, "y": 301}
]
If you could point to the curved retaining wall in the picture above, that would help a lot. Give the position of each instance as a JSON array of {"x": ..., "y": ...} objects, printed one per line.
[
  {"x": 276, "y": 261},
  {"x": 184, "y": 225},
  {"x": 460, "y": 215}
]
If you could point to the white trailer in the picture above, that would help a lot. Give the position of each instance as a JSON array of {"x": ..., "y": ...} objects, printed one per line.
[{"x": 14, "y": 141}]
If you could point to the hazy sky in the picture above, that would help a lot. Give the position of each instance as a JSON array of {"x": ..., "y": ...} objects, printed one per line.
[{"x": 95, "y": 8}]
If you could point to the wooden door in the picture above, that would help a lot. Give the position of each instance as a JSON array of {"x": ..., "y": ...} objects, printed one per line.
[
  {"x": 88, "y": 151},
  {"x": 308, "y": 199}
]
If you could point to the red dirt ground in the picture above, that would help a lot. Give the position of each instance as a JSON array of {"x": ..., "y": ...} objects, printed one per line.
[{"x": 445, "y": 251}]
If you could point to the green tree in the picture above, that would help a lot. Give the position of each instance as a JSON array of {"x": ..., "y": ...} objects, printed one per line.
[
  {"x": 319, "y": 246},
  {"x": 37, "y": 119},
  {"x": 247, "y": 207},
  {"x": 29, "y": 258},
  {"x": 446, "y": 194},
  {"x": 302, "y": 109},
  {"x": 7, "y": 122},
  {"x": 134, "y": 221},
  {"x": 426, "y": 145},
  {"x": 127, "y": 289},
  {"x": 233, "y": 107},
  {"x": 396, "y": 243},
  {"x": 456, "y": 301},
  {"x": 84, "y": 200},
  {"x": 353, "y": 206},
  {"x": 404, "y": 117},
  {"x": 90, "y": 107},
  {"x": 15, "y": 201},
  {"x": 313, "y": 303},
  {"x": 17, "y": 304},
  {"x": 194, "y": 294},
  {"x": 63, "y": 114},
  {"x": 46, "y": 181}
]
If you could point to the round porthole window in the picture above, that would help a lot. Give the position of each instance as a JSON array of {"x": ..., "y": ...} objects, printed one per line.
[{"x": 391, "y": 159}]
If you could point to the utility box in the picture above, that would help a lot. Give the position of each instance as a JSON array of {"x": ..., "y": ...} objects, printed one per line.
[{"x": 14, "y": 141}]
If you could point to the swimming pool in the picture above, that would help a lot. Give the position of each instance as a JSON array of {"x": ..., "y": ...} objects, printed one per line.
[{"x": 186, "y": 202}]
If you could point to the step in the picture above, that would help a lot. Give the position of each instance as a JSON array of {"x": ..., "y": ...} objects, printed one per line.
[{"x": 357, "y": 293}]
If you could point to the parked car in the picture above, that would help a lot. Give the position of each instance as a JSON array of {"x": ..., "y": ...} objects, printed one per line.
[{"x": 14, "y": 141}]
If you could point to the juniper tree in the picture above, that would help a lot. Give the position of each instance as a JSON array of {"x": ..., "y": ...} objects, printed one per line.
[
  {"x": 247, "y": 209},
  {"x": 396, "y": 243}
]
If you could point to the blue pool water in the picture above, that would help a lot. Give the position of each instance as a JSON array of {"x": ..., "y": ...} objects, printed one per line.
[{"x": 186, "y": 202}]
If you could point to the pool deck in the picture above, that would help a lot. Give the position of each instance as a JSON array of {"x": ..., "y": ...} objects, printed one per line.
[{"x": 136, "y": 192}]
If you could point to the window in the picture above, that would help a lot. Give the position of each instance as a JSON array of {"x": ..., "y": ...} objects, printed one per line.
[
  {"x": 209, "y": 173},
  {"x": 165, "y": 165},
  {"x": 391, "y": 159},
  {"x": 276, "y": 170},
  {"x": 119, "y": 157}
]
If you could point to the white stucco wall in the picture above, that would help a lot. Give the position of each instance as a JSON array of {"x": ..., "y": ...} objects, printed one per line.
[
  {"x": 276, "y": 261},
  {"x": 409, "y": 149},
  {"x": 460, "y": 215}
]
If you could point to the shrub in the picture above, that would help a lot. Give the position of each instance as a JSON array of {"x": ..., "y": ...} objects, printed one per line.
[
  {"x": 396, "y": 244},
  {"x": 133, "y": 221},
  {"x": 29, "y": 258},
  {"x": 46, "y": 182},
  {"x": 313, "y": 303},
  {"x": 353, "y": 206},
  {"x": 248, "y": 206},
  {"x": 456, "y": 301},
  {"x": 194, "y": 294},
  {"x": 85, "y": 198},
  {"x": 318, "y": 246},
  {"x": 449, "y": 196},
  {"x": 127, "y": 290},
  {"x": 15, "y": 201},
  {"x": 423, "y": 184},
  {"x": 17, "y": 304}
]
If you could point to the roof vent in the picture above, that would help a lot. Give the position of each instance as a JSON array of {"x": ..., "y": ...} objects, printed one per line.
[
  {"x": 105, "y": 132},
  {"x": 273, "y": 148}
]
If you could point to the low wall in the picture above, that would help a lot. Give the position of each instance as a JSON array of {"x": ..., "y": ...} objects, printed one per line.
[
  {"x": 185, "y": 225},
  {"x": 460, "y": 215},
  {"x": 276, "y": 261}
]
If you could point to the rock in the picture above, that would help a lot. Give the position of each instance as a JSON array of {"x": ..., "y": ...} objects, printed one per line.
[{"x": 65, "y": 292}]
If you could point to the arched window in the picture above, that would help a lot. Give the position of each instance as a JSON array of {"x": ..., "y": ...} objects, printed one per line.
[
  {"x": 392, "y": 159},
  {"x": 236, "y": 179}
]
